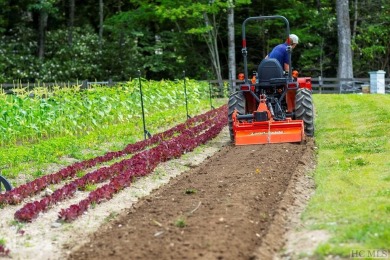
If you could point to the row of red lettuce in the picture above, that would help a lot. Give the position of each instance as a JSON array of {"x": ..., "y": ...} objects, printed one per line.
[{"x": 147, "y": 154}]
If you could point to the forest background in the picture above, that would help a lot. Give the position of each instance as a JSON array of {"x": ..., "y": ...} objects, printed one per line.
[{"x": 68, "y": 40}]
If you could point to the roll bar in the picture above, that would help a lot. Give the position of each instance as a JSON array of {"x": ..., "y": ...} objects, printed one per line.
[{"x": 244, "y": 50}]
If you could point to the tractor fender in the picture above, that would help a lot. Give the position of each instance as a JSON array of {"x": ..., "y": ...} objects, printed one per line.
[{"x": 304, "y": 82}]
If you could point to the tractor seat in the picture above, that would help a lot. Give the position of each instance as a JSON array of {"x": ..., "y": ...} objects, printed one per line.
[{"x": 270, "y": 73}]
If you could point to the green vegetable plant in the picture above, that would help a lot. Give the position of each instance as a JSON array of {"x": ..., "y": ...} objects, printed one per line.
[{"x": 57, "y": 126}]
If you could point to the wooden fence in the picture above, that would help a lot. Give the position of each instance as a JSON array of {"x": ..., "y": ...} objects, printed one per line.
[
  {"x": 341, "y": 86},
  {"x": 324, "y": 85}
]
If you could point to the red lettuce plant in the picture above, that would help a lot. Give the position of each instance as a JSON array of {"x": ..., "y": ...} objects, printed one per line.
[
  {"x": 16, "y": 195},
  {"x": 4, "y": 251},
  {"x": 121, "y": 172},
  {"x": 144, "y": 163}
]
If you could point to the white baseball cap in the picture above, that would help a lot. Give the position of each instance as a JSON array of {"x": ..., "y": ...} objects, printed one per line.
[{"x": 294, "y": 39}]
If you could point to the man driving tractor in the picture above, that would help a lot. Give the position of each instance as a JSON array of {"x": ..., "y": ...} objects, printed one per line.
[
  {"x": 259, "y": 112},
  {"x": 280, "y": 53}
]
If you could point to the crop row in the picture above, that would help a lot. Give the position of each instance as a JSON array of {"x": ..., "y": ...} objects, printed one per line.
[
  {"x": 69, "y": 111},
  {"x": 17, "y": 195},
  {"x": 166, "y": 145},
  {"x": 144, "y": 163}
]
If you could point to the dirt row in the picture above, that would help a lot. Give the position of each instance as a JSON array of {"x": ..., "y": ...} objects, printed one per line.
[
  {"x": 239, "y": 203},
  {"x": 218, "y": 202}
]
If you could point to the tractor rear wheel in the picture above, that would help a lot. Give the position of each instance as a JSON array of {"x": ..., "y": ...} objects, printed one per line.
[
  {"x": 236, "y": 101},
  {"x": 5, "y": 183},
  {"x": 304, "y": 110}
]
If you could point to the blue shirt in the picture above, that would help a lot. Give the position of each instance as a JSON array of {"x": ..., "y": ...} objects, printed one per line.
[{"x": 280, "y": 53}]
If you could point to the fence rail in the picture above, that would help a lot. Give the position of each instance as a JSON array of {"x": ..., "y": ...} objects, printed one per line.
[
  {"x": 326, "y": 85},
  {"x": 340, "y": 85}
]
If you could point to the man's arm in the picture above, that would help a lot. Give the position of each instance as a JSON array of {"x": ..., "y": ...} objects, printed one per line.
[{"x": 286, "y": 61}]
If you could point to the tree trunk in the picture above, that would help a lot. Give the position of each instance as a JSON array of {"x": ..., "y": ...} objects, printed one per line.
[
  {"x": 42, "y": 33},
  {"x": 319, "y": 5},
  {"x": 355, "y": 19},
  {"x": 211, "y": 40},
  {"x": 231, "y": 48},
  {"x": 345, "y": 66},
  {"x": 101, "y": 5},
  {"x": 121, "y": 44},
  {"x": 71, "y": 22}
]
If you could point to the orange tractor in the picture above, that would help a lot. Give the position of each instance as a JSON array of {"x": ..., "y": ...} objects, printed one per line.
[{"x": 258, "y": 111}]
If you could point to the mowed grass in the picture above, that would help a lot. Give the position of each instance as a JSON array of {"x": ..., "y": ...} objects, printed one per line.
[{"x": 352, "y": 197}]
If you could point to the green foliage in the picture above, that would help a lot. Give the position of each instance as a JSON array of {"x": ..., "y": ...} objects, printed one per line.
[
  {"x": 45, "y": 5},
  {"x": 190, "y": 191},
  {"x": 69, "y": 111},
  {"x": 370, "y": 45},
  {"x": 73, "y": 124},
  {"x": 18, "y": 59},
  {"x": 162, "y": 38},
  {"x": 180, "y": 222},
  {"x": 3, "y": 19},
  {"x": 20, "y": 63},
  {"x": 314, "y": 55},
  {"x": 84, "y": 51},
  {"x": 90, "y": 187}
]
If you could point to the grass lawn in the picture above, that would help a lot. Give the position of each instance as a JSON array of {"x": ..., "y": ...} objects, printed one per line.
[{"x": 352, "y": 198}]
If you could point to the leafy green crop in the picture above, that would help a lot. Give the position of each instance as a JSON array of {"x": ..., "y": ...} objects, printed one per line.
[
  {"x": 59, "y": 126},
  {"x": 71, "y": 111}
]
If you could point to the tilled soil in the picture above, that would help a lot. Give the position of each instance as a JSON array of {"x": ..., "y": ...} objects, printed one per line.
[{"x": 235, "y": 205}]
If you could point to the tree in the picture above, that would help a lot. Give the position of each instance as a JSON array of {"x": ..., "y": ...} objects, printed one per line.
[
  {"x": 44, "y": 8},
  {"x": 203, "y": 18},
  {"x": 231, "y": 44},
  {"x": 101, "y": 20},
  {"x": 199, "y": 19},
  {"x": 71, "y": 21},
  {"x": 3, "y": 18},
  {"x": 51, "y": 40},
  {"x": 210, "y": 35},
  {"x": 146, "y": 43},
  {"x": 345, "y": 67},
  {"x": 371, "y": 47}
]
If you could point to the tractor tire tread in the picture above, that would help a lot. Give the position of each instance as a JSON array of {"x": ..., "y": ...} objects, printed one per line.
[
  {"x": 236, "y": 101},
  {"x": 304, "y": 110}
]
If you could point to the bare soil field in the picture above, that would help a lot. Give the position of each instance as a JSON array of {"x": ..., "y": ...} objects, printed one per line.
[
  {"x": 218, "y": 202},
  {"x": 239, "y": 203}
]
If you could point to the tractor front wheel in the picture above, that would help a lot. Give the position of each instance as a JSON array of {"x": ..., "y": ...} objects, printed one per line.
[
  {"x": 304, "y": 110},
  {"x": 236, "y": 101}
]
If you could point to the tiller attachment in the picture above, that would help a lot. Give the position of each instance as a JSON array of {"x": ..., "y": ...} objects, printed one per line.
[{"x": 261, "y": 127}]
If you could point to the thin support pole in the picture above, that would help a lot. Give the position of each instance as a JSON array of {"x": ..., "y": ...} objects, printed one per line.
[
  {"x": 146, "y": 132},
  {"x": 211, "y": 104},
  {"x": 185, "y": 93}
]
